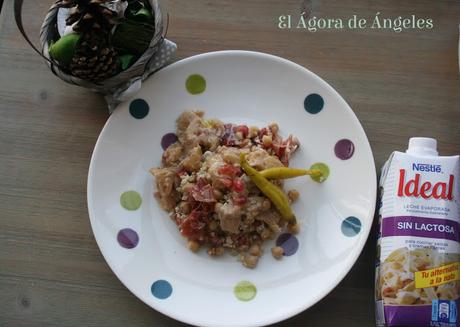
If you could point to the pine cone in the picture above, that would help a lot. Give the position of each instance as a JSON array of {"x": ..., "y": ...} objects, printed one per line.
[
  {"x": 89, "y": 14},
  {"x": 94, "y": 59}
]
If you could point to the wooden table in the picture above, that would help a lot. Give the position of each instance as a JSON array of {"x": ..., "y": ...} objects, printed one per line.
[{"x": 51, "y": 271}]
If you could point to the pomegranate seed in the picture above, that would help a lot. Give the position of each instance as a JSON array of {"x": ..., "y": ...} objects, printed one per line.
[
  {"x": 238, "y": 185},
  {"x": 243, "y": 129},
  {"x": 240, "y": 199}
]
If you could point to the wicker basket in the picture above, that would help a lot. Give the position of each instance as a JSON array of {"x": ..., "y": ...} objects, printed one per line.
[{"x": 118, "y": 87}]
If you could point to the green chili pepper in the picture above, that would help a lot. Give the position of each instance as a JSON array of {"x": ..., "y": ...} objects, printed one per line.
[
  {"x": 286, "y": 172},
  {"x": 271, "y": 191}
]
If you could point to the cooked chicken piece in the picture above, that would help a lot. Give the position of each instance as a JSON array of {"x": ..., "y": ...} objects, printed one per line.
[
  {"x": 255, "y": 205},
  {"x": 172, "y": 154},
  {"x": 261, "y": 159},
  {"x": 189, "y": 136},
  {"x": 192, "y": 162},
  {"x": 213, "y": 164},
  {"x": 165, "y": 180},
  {"x": 229, "y": 216},
  {"x": 192, "y": 130},
  {"x": 184, "y": 120},
  {"x": 230, "y": 155},
  {"x": 271, "y": 218}
]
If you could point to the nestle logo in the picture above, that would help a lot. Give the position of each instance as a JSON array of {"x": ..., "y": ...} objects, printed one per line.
[{"x": 426, "y": 167}]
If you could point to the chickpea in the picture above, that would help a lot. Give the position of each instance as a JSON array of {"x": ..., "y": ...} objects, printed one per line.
[
  {"x": 274, "y": 128},
  {"x": 255, "y": 250},
  {"x": 266, "y": 204},
  {"x": 213, "y": 225},
  {"x": 282, "y": 223},
  {"x": 293, "y": 195},
  {"x": 193, "y": 245},
  {"x": 250, "y": 261},
  {"x": 277, "y": 252},
  {"x": 293, "y": 228},
  {"x": 187, "y": 187},
  {"x": 265, "y": 234},
  {"x": 253, "y": 131},
  {"x": 243, "y": 248},
  {"x": 216, "y": 251},
  {"x": 233, "y": 253},
  {"x": 185, "y": 207},
  {"x": 218, "y": 194},
  {"x": 239, "y": 135},
  {"x": 267, "y": 141}
]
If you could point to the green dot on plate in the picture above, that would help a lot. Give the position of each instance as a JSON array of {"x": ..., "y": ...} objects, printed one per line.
[
  {"x": 245, "y": 291},
  {"x": 131, "y": 200},
  {"x": 195, "y": 84},
  {"x": 324, "y": 172},
  {"x": 351, "y": 226}
]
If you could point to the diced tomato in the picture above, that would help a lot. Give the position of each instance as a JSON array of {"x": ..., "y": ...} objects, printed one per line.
[
  {"x": 216, "y": 241},
  {"x": 228, "y": 170},
  {"x": 238, "y": 185},
  {"x": 240, "y": 240},
  {"x": 240, "y": 199},
  {"x": 201, "y": 182},
  {"x": 228, "y": 137},
  {"x": 262, "y": 132},
  {"x": 388, "y": 291},
  {"x": 227, "y": 182},
  {"x": 203, "y": 192},
  {"x": 281, "y": 154},
  {"x": 281, "y": 150},
  {"x": 243, "y": 129},
  {"x": 192, "y": 226}
]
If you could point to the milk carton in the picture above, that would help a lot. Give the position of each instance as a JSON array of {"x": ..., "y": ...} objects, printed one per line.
[{"x": 418, "y": 259}]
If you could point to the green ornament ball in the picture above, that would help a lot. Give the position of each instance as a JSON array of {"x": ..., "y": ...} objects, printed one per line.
[{"x": 63, "y": 50}]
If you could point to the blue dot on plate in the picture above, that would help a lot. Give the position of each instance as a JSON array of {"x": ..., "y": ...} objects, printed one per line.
[
  {"x": 139, "y": 108},
  {"x": 351, "y": 226},
  {"x": 313, "y": 103},
  {"x": 161, "y": 289}
]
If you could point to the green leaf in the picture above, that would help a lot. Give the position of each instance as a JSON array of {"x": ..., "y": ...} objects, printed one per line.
[
  {"x": 132, "y": 37},
  {"x": 126, "y": 61},
  {"x": 143, "y": 15}
]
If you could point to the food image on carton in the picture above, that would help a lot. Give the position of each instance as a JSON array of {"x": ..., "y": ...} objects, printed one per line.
[{"x": 418, "y": 261}]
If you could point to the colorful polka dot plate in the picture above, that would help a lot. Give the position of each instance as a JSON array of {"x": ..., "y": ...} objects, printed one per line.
[{"x": 142, "y": 245}]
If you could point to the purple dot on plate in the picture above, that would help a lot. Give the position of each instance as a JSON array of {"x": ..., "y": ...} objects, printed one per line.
[
  {"x": 128, "y": 238},
  {"x": 344, "y": 149},
  {"x": 167, "y": 140},
  {"x": 289, "y": 243}
]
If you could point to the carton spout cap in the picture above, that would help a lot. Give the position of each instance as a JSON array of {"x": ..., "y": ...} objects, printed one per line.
[{"x": 422, "y": 146}]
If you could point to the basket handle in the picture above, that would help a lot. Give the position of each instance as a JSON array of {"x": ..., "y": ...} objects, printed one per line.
[{"x": 18, "y": 19}]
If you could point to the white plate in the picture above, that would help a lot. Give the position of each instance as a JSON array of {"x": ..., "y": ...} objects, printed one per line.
[{"x": 241, "y": 87}]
